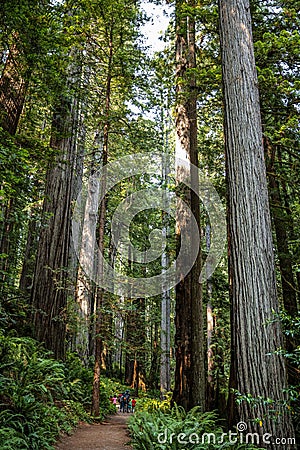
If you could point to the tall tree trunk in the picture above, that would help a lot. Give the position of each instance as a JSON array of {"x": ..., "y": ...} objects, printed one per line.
[
  {"x": 153, "y": 379},
  {"x": 135, "y": 345},
  {"x": 210, "y": 399},
  {"x": 165, "y": 375},
  {"x": 189, "y": 339},
  {"x": 101, "y": 231},
  {"x": 139, "y": 374},
  {"x": 85, "y": 288},
  {"x": 13, "y": 86},
  {"x": 100, "y": 291},
  {"x": 255, "y": 368},
  {"x": 50, "y": 284}
]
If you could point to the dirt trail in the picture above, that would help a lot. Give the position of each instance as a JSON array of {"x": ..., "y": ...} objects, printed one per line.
[{"x": 109, "y": 435}]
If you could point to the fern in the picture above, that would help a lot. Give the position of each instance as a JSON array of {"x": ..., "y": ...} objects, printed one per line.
[
  {"x": 37, "y": 396},
  {"x": 152, "y": 428}
]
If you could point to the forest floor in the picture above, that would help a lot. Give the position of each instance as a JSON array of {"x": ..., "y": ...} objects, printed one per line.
[{"x": 111, "y": 434}]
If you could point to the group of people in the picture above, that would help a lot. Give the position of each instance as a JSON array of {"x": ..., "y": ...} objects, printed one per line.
[{"x": 127, "y": 405}]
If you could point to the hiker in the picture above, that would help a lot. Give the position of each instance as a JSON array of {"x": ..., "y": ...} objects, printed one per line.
[
  {"x": 129, "y": 406},
  {"x": 126, "y": 396},
  {"x": 122, "y": 403},
  {"x": 133, "y": 403},
  {"x": 114, "y": 400}
]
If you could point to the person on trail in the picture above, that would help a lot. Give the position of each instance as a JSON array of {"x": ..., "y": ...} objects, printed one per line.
[
  {"x": 122, "y": 403},
  {"x": 115, "y": 400},
  {"x": 133, "y": 403},
  {"x": 129, "y": 408},
  {"x": 126, "y": 396}
]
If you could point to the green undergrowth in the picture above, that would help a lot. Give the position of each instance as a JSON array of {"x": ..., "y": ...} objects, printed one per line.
[
  {"x": 157, "y": 426},
  {"x": 40, "y": 397}
]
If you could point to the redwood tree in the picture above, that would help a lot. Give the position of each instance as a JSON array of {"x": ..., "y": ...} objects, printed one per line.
[
  {"x": 50, "y": 283},
  {"x": 190, "y": 377},
  {"x": 257, "y": 372}
]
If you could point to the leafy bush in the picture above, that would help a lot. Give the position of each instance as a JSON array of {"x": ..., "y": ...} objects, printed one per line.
[
  {"x": 107, "y": 388},
  {"x": 79, "y": 380},
  {"x": 157, "y": 426},
  {"x": 39, "y": 396}
]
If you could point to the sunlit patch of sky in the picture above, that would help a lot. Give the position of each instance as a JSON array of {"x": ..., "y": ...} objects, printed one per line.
[
  {"x": 152, "y": 32},
  {"x": 154, "y": 29}
]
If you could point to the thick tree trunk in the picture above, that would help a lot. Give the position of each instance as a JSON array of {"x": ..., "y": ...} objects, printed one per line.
[
  {"x": 101, "y": 231},
  {"x": 99, "y": 291},
  {"x": 129, "y": 366},
  {"x": 165, "y": 376},
  {"x": 165, "y": 334},
  {"x": 50, "y": 284},
  {"x": 210, "y": 396},
  {"x": 255, "y": 370},
  {"x": 85, "y": 287},
  {"x": 153, "y": 379},
  {"x": 13, "y": 86},
  {"x": 189, "y": 339},
  {"x": 135, "y": 346},
  {"x": 210, "y": 393}
]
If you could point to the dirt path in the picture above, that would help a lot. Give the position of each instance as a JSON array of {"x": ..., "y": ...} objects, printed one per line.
[{"x": 109, "y": 435}]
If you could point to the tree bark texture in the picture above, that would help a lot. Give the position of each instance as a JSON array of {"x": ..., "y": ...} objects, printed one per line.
[
  {"x": 135, "y": 345},
  {"x": 165, "y": 375},
  {"x": 154, "y": 372},
  {"x": 99, "y": 291},
  {"x": 165, "y": 334},
  {"x": 84, "y": 287},
  {"x": 50, "y": 285},
  {"x": 190, "y": 379},
  {"x": 13, "y": 86},
  {"x": 255, "y": 369},
  {"x": 101, "y": 230}
]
